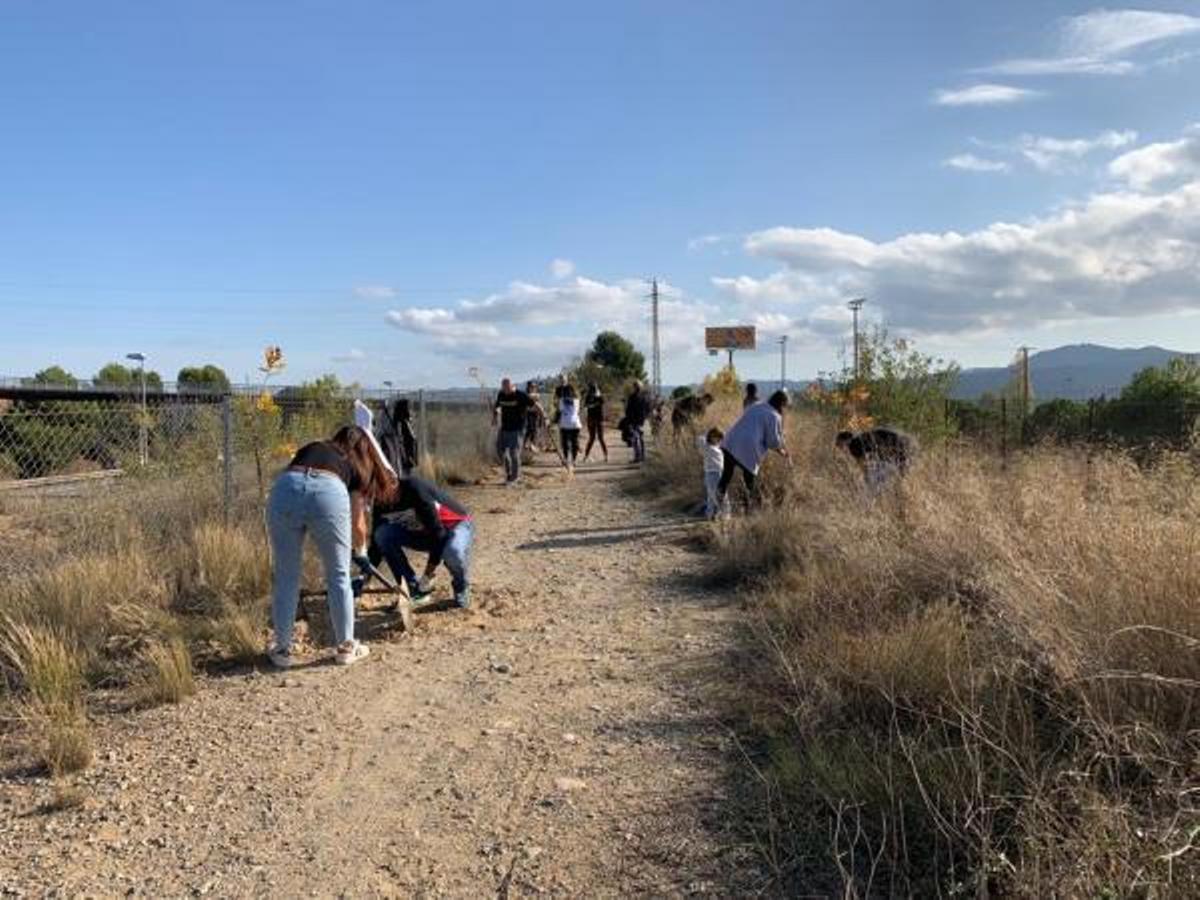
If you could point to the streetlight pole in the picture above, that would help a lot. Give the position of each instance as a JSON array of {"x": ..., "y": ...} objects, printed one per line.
[
  {"x": 783, "y": 362},
  {"x": 855, "y": 305},
  {"x": 140, "y": 358}
]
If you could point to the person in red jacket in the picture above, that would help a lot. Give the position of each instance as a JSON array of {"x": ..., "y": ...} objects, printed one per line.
[{"x": 444, "y": 530}]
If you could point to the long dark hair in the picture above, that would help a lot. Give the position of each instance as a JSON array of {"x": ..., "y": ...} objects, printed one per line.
[{"x": 354, "y": 444}]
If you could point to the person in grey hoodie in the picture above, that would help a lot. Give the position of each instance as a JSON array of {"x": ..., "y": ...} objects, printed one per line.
[{"x": 752, "y": 437}]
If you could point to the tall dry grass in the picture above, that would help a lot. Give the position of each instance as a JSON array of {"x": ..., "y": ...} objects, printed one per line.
[
  {"x": 130, "y": 587},
  {"x": 985, "y": 681}
]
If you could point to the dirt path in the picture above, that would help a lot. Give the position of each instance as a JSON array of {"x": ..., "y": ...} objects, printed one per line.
[{"x": 557, "y": 740}]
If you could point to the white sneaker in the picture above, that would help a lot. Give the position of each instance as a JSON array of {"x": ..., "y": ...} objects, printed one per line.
[
  {"x": 424, "y": 584},
  {"x": 350, "y": 652},
  {"x": 281, "y": 657}
]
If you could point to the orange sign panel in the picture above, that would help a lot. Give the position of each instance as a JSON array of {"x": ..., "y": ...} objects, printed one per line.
[{"x": 730, "y": 337}]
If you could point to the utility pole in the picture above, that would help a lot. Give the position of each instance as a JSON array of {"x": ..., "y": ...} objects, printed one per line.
[
  {"x": 783, "y": 362},
  {"x": 855, "y": 305},
  {"x": 655, "y": 349},
  {"x": 1026, "y": 394}
]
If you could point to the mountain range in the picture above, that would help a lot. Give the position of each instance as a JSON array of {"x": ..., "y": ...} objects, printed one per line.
[{"x": 1075, "y": 372}]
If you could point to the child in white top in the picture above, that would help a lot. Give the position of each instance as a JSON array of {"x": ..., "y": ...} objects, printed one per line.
[{"x": 714, "y": 464}]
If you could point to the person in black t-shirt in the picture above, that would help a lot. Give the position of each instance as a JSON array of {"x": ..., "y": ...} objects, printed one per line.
[
  {"x": 593, "y": 404},
  {"x": 883, "y": 454},
  {"x": 324, "y": 492},
  {"x": 444, "y": 529},
  {"x": 510, "y": 411},
  {"x": 637, "y": 411}
]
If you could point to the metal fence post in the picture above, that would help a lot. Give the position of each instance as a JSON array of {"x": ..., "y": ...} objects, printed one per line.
[
  {"x": 1004, "y": 431},
  {"x": 425, "y": 448},
  {"x": 227, "y": 453}
]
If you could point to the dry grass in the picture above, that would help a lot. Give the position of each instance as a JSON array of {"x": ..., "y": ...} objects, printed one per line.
[
  {"x": 52, "y": 705},
  {"x": 167, "y": 676},
  {"x": 986, "y": 680}
]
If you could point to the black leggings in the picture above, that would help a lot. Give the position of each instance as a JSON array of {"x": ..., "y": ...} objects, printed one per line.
[
  {"x": 748, "y": 478},
  {"x": 570, "y": 443},
  {"x": 596, "y": 431}
]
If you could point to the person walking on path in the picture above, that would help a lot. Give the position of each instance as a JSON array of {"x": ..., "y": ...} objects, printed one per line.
[
  {"x": 325, "y": 491},
  {"x": 535, "y": 419},
  {"x": 593, "y": 404},
  {"x": 746, "y": 444},
  {"x": 637, "y": 410},
  {"x": 751, "y": 395},
  {"x": 714, "y": 467},
  {"x": 569, "y": 425},
  {"x": 446, "y": 532},
  {"x": 511, "y": 410}
]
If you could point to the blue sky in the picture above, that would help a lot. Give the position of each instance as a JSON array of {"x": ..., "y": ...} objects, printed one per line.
[{"x": 401, "y": 191}]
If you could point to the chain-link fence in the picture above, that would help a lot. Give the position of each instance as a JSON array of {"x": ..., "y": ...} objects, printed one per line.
[{"x": 74, "y": 463}]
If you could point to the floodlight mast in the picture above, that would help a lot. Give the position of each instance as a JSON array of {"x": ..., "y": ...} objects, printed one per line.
[{"x": 855, "y": 305}]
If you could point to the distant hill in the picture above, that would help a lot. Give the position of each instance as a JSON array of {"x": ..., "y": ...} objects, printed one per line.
[{"x": 1075, "y": 372}]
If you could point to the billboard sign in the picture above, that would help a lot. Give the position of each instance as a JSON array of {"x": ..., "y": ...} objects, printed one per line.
[{"x": 730, "y": 337}]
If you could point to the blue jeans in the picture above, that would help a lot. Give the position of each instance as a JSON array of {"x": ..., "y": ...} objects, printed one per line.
[
  {"x": 637, "y": 440},
  {"x": 309, "y": 503},
  {"x": 508, "y": 446},
  {"x": 393, "y": 537}
]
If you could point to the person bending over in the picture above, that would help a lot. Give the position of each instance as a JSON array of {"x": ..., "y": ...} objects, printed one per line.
[
  {"x": 746, "y": 444},
  {"x": 883, "y": 454},
  {"x": 324, "y": 492},
  {"x": 444, "y": 530}
]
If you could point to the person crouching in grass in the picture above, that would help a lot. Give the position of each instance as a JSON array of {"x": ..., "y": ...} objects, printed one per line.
[
  {"x": 883, "y": 455},
  {"x": 444, "y": 531},
  {"x": 325, "y": 491},
  {"x": 714, "y": 465}
]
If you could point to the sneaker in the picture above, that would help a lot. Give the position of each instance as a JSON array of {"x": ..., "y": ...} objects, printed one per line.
[
  {"x": 349, "y": 652},
  {"x": 418, "y": 594},
  {"x": 463, "y": 598},
  {"x": 281, "y": 657}
]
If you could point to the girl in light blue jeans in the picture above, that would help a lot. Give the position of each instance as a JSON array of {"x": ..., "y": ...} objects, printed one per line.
[{"x": 324, "y": 492}]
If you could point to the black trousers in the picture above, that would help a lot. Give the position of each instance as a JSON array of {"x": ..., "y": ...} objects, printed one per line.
[
  {"x": 570, "y": 443},
  {"x": 748, "y": 478}
]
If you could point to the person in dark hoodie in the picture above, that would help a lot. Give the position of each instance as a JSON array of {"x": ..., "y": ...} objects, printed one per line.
[
  {"x": 883, "y": 454},
  {"x": 397, "y": 438},
  {"x": 444, "y": 529}
]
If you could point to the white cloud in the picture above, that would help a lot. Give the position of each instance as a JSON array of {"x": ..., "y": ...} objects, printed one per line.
[
  {"x": 1050, "y": 153},
  {"x": 1156, "y": 163},
  {"x": 982, "y": 95},
  {"x": 969, "y": 162},
  {"x": 707, "y": 240},
  {"x": 1121, "y": 253},
  {"x": 374, "y": 292},
  {"x": 562, "y": 268},
  {"x": 532, "y": 327},
  {"x": 1105, "y": 33},
  {"x": 350, "y": 356},
  {"x": 1093, "y": 43}
]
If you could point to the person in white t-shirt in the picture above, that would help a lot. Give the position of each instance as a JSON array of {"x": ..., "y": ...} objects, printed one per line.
[
  {"x": 714, "y": 465},
  {"x": 569, "y": 424}
]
